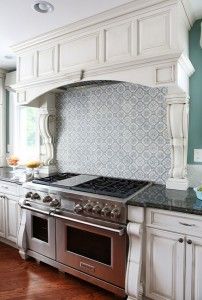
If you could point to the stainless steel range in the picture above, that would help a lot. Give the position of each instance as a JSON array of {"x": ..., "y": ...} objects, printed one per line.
[{"x": 77, "y": 223}]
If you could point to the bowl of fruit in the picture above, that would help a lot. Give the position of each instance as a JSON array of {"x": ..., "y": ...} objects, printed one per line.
[
  {"x": 198, "y": 191},
  {"x": 33, "y": 164},
  {"x": 33, "y": 168},
  {"x": 12, "y": 161}
]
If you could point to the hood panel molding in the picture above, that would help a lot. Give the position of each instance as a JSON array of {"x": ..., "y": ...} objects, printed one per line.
[{"x": 142, "y": 42}]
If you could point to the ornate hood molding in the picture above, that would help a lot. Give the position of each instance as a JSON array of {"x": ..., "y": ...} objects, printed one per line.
[{"x": 144, "y": 42}]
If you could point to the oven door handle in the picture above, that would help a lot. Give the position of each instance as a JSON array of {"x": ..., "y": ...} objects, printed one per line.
[
  {"x": 119, "y": 231},
  {"x": 35, "y": 209}
]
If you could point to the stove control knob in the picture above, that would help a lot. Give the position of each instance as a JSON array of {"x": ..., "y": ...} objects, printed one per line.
[
  {"x": 55, "y": 203},
  {"x": 28, "y": 195},
  {"x": 97, "y": 209},
  {"x": 106, "y": 211},
  {"x": 78, "y": 208},
  {"x": 115, "y": 213},
  {"x": 88, "y": 207},
  {"x": 35, "y": 196},
  {"x": 47, "y": 199}
]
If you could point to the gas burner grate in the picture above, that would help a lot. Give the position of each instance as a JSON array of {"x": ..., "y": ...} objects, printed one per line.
[
  {"x": 53, "y": 178},
  {"x": 114, "y": 187}
]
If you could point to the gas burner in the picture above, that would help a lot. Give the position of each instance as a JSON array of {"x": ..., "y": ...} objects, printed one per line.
[
  {"x": 114, "y": 187},
  {"x": 53, "y": 178}
]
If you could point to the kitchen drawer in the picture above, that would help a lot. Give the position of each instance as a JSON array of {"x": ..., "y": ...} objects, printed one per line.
[
  {"x": 174, "y": 221},
  {"x": 9, "y": 188}
]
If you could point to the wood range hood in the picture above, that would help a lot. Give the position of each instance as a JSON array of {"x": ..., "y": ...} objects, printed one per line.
[{"x": 142, "y": 42}]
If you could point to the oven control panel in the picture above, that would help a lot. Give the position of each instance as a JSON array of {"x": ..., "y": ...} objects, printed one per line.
[
  {"x": 51, "y": 200},
  {"x": 99, "y": 209}
]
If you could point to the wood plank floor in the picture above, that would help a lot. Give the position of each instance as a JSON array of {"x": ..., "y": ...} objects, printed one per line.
[{"x": 20, "y": 280}]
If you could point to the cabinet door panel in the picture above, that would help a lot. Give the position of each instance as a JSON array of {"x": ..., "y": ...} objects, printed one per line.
[
  {"x": 2, "y": 217},
  {"x": 26, "y": 67},
  {"x": 164, "y": 265},
  {"x": 193, "y": 287},
  {"x": 118, "y": 42},
  {"x": 46, "y": 60},
  {"x": 154, "y": 33},
  {"x": 11, "y": 218},
  {"x": 80, "y": 52}
]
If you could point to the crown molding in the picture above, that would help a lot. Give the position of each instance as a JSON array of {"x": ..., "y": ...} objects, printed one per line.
[
  {"x": 189, "y": 11},
  {"x": 186, "y": 64}
]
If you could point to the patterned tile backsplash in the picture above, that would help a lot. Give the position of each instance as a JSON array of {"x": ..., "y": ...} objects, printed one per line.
[{"x": 116, "y": 130}]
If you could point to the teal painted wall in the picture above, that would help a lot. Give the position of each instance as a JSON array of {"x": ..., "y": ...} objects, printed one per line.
[{"x": 195, "y": 117}]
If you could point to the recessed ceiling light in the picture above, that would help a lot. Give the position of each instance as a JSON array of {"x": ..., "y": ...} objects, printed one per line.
[
  {"x": 43, "y": 7},
  {"x": 8, "y": 56}
]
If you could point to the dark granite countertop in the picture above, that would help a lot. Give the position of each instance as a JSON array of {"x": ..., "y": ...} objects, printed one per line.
[
  {"x": 6, "y": 175},
  {"x": 157, "y": 196}
]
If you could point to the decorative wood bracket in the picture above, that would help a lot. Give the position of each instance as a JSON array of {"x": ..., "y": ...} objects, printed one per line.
[
  {"x": 177, "y": 118},
  {"x": 47, "y": 131},
  {"x": 22, "y": 238},
  {"x": 133, "y": 286}
]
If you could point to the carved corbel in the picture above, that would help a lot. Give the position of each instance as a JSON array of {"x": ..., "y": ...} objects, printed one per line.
[
  {"x": 133, "y": 285},
  {"x": 177, "y": 118},
  {"x": 47, "y": 131},
  {"x": 22, "y": 237}
]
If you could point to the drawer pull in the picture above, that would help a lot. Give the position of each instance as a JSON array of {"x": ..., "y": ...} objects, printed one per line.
[
  {"x": 181, "y": 240},
  {"x": 189, "y": 242},
  {"x": 186, "y": 224}
]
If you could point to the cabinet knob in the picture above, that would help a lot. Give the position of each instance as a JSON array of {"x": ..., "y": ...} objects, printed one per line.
[
  {"x": 97, "y": 209},
  {"x": 181, "y": 240},
  {"x": 78, "y": 208},
  {"x": 35, "y": 196},
  {"x": 28, "y": 195},
  {"x": 189, "y": 242}
]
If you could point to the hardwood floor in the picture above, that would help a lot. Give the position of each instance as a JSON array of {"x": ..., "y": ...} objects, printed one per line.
[{"x": 25, "y": 280}]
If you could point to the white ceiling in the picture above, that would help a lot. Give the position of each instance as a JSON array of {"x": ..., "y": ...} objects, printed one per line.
[
  {"x": 18, "y": 22},
  {"x": 197, "y": 8}
]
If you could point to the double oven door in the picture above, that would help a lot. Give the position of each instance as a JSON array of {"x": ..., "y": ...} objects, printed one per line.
[
  {"x": 41, "y": 233},
  {"x": 96, "y": 250}
]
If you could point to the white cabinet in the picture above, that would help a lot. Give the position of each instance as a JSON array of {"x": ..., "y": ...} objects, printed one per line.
[
  {"x": 164, "y": 265},
  {"x": 193, "y": 287},
  {"x": 11, "y": 205},
  {"x": 9, "y": 211},
  {"x": 173, "y": 256}
]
